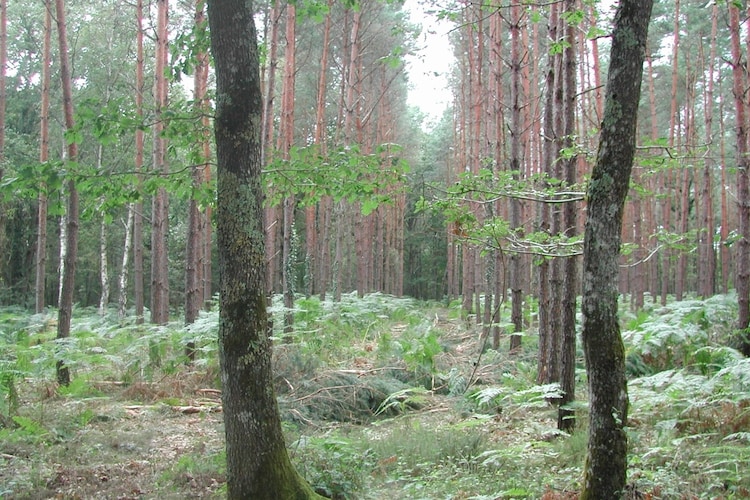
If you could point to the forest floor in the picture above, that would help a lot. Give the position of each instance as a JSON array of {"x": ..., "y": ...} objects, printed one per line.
[{"x": 407, "y": 404}]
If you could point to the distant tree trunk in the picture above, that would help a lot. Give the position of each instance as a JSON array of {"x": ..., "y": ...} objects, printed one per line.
[
  {"x": 194, "y": 245},
  {"x": 516, "y": 129},
  {"x": 555, "y": 171},
  {"x": 63, "y": 229},
  {"x": 565, "y": 420},
  {"x": 41, "y": 238},
  {"x": 103, "y": 268},
  {"x": 258, "y": 465},
  {"x": 706, "y": 252},
  {"x": 122, "y": 300},
  {"x": 103, "y": 264},
  {"x": 653, "y": 206},
  {"x": 160, "y": 204},
  {"x": 724, "y": 253},
  {"x": 138, "y": 275},
  {"x": 547, "y": 370},
  {"x": 742, "y": 263},
  {"x": 668, "y": 175},
  {"x": 287, "y": 140},
  {"x": 606, "y": 461},
  {"x": 271, "y": 212},
  {"x": 3, "y": 106},
  {"x": 315, "y": 281},
  {"x": 68, "y": 277}
]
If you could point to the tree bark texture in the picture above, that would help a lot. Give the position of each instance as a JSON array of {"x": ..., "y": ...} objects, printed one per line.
[
  {"x": 565, "y": 420},
  {"x": 606, "y": 461},
  {"x": 160, "y": 202},
  {"x": 742, "y": 263},
  {"x": 67, "y": 283},
  {"x": 258, "y": 465}
]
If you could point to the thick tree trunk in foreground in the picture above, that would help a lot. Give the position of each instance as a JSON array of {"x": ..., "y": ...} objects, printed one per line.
[
  {"x": 258, "y": 465},
  {"x": 606, "y": 463}
]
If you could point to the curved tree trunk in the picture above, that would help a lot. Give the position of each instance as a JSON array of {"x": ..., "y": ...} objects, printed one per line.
[
  {"x": 606, "y": 462},
  {"x": 258, "y": 465}
]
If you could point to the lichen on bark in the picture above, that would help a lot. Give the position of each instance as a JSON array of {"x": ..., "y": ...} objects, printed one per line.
[{"x": 606, "y": 462}]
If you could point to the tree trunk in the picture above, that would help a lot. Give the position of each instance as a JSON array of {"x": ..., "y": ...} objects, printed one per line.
[
  {"x": 3, "y": 106},
  {"x": 546, "y": 366},
  {"x": 258, "y": 465},
  {"x": 742, "y": 271},
  {"x": 71, "y": 245},
  {"x": 103, "y": 264},
  {"x": 160, "y": 204},
  {"x": 516, "y": 129},
  {"x": 565, "y": 419},
  {"x": 138, "y": 276},
  {"x": 706, "y": 253},
  {"x": 606, "y": 461},
  {"x": 103, "y": 268},
  {"x": 271, "y": 217},
  {"x": 122, "y": 300},
  {"x": 194, "y": 245},
  {"x": 287, "y": 140},
  {"x": 41, "y": 238}
]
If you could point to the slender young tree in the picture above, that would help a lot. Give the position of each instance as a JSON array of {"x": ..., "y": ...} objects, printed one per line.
[
  {"x": 71, "y": 251},
  {"x": 258, "y": 465},
  {"x": 516, "y": 129},
  {"x": 3, "y": 96},
  {"x": 606, "y": 461},
  {"x": 137, "y": 207},
  {"x": 41, "y": 237}
]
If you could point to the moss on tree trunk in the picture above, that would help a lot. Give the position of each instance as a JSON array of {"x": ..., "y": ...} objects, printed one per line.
[
  {"x": 606, "y": 461},
  {"x": 258, "y": 466}
]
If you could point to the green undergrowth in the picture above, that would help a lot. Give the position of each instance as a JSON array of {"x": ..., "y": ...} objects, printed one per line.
[{"x": 380, "y": 397}]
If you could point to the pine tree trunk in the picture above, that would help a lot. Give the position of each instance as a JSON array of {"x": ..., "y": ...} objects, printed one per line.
[
  {"x": 742, "y": 262},
  {"x": 606, "y": 461},
  {"x": 516, "y": 129},
  {"x": 160, "y": 203},
  {"x": 287, "y": 140},
  {"x": 195, "y": 245},
  {"x": 565, "y": 421},
  {"x": 546, "y": 371}
]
